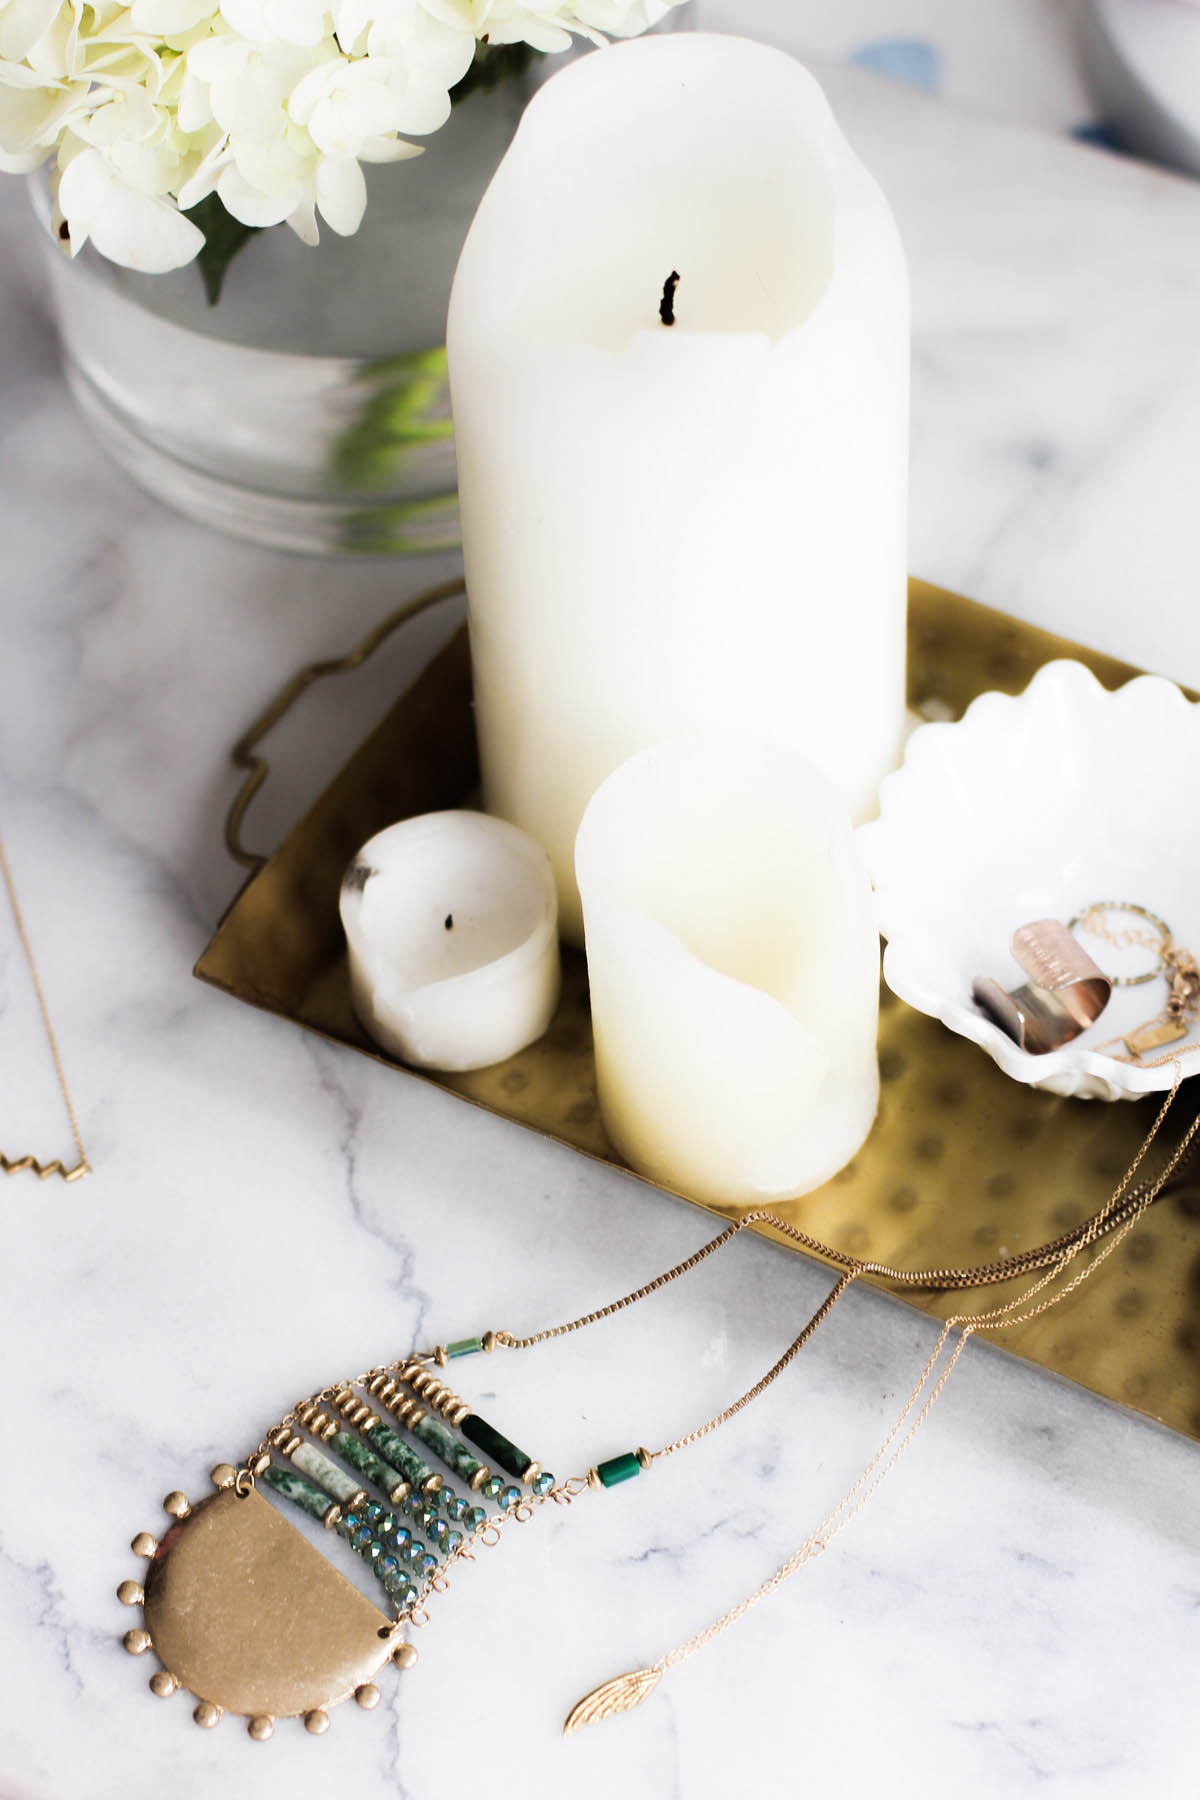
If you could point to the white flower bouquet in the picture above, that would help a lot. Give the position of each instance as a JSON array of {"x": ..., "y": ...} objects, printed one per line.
[{"x": 180, "y": 123}]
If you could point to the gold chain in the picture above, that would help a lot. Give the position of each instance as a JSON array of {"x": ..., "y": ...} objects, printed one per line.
[
  {"x": 1124, "y": 1204},
  {"x": 17, "y": 1165},
  {"x": 1114, "y": 1222}
]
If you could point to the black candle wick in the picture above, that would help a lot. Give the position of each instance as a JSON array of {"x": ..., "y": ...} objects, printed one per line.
[{"x": 666, "y": 306}]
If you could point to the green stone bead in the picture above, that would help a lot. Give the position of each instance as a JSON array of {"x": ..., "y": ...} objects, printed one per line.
[
  {"x": 397, "y": 1450},
  {"x": 290, "y": 1486},
  {"x": 314, "y": 1463},
  {"x": 464, "y": 1347},
  {"x": 351, "y": 1450},
  {"x": 495, "y": 1446},
  {"x": 446, "y": 1447},
  {"x": 618, "y": 1469}
]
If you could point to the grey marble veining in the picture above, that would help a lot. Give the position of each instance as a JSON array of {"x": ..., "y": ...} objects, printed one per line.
[{"x": 1018, "y": 1611}]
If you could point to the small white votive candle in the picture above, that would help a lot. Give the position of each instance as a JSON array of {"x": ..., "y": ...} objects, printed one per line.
[
  {"x": 733, "y": 960},
  {"x": 451, "y": 922}
]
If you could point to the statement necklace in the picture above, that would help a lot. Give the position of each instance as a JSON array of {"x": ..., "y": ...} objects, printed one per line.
[
  {"x": 20, "y": 1165},
  {"x": 244, "y": 1612}
]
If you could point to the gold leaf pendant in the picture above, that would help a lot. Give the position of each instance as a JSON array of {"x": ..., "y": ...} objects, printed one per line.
[{"x": 619, "y": 1695}]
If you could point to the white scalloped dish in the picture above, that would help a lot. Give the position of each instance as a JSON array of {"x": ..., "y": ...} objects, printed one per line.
[{"x": 1032, "y": 807}]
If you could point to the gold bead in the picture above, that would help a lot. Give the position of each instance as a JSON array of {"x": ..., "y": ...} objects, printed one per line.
[
  {"x": 223, "y": 1476},
  {"x": 163, "y": 1683},
  {"x": 404, "y": 1655},
  {"x": 400, "y": 1492},
  {"x": 130, "y": 1593},
  {"x": 207, "y": 1714},
  {"x": 331, "y": 1516},
  {"x": 358, "y": 1499},
  {"x": 593, "y": 1478},
  {"x": 260, "y": 1464},
  {"x": 440, "y": 1357},
  {"x": 489, "y": 1341},
  {"x": 432, "y": 1484},
  {"x": 261, "y": 1728},
  {"x": 177, "y": 1505},
  {"x": 367, "y": 1695},
  {"x": 144, "y": 1544},
  {"x": 643, "y": 1457},
  {"x": 416, "y": 1415},
  {"x": 137, "y": 1641},
  {"x": 316, "y": 1721},
  {"x": 479, "y": 1477},
  {"x": 458, "y": 1413},
  {"x": 292, "y": 1445},
  {"x": 531, "y": 1474}
]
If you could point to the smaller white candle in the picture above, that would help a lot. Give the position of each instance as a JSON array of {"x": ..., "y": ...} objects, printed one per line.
[
  {"x": 451, "y": 922},
  {"x": 733, "y": 960}
]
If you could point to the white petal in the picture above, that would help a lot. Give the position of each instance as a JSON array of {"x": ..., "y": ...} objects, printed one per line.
[
  {"x": 22, "y": 23},
  {"x": 304, "y": 223},
  {"x": 341, "y": 194},
  {"x": 250, "y": 204},
  {"x": 168, "y": 18},
  {"x": 140, "y": 231},
  {"x": 389, "y": 149}
]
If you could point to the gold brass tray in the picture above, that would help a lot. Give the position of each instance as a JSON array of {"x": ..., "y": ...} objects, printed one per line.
[{"x": 962, "y": 1165}]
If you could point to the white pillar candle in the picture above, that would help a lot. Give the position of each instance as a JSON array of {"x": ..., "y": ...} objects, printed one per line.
[
  {"x": 733, "y": 960},
  {"x": 673, "y": 527},
  {"x": 451, "y": 927}
]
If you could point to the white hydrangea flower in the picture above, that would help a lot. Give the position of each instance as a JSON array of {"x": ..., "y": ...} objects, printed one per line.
[{"x": 151, "y": 106}]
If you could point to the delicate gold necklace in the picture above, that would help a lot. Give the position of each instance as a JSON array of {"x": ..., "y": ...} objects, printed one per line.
[
  {"x": 17, "y": 1165},
  {"x": 243, "y": 1611}
]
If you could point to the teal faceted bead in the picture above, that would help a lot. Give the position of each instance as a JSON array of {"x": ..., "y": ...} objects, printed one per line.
[
  {"x": 396, "y": 1536},
  {"x": 439, "y": 1532},
  {"x": 387, "y": 1523},
  {"x": 428, "y": 1564},
  {"x": 349, "y": 1523},
  {"x": 454, "y": 1541},
  {"x": 476, "y": 1517},
  {"x": 543, "y": 1483},
  {"x": 373, "y": 1513},
  {"x": 414, "y": 1504},
  {"x": 372, "y": 1552},
  {"x": 387, "y": 1568},
  {"x": 362, "y": 1537},
  {"x": 403, "y": 1593},
  {"x": 509, "y": 1497},
  {"x": 493, "y": 1487},
  {"x": 456, "y": 1507},
  {"x": 413, "y": 1551}
]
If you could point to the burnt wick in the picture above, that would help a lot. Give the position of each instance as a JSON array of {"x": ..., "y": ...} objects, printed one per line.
[
  {"x": 666, "y": 306},
  {"x": 449, "y": 921}
]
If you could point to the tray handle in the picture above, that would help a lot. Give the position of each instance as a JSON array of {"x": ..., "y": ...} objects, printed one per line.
[{"x": 245, "y": 752}]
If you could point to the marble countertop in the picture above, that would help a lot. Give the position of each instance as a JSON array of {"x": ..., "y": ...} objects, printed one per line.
[{"x": 1019, "y": 1609}]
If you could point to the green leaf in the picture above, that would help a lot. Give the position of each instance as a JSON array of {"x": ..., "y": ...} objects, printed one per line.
[{"x": 224, "y": 236}]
